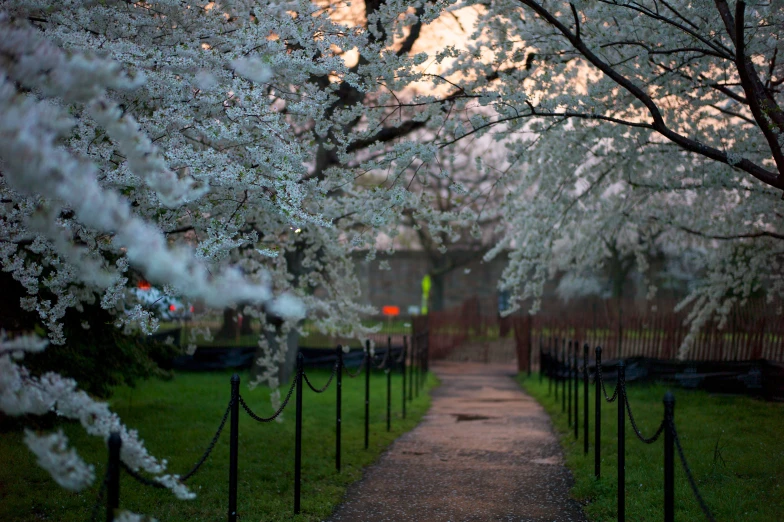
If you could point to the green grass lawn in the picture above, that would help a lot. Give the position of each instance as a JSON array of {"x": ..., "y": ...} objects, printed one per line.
[
  {"x": 734, "y": 446},
  {"x": 178, "y": 418}
]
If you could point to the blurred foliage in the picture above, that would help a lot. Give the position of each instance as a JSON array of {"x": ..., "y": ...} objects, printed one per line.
[{"x": 99, "y": 357}]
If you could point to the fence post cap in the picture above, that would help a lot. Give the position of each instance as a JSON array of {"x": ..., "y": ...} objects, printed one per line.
[
  {"x": 586, "y": 348},
  {"x": 598, "y": 349},
  {"x": 669, "y": 399},
  {"x": 235, "y": 378}
]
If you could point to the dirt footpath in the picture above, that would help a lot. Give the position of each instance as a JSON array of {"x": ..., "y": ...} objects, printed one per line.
[{"x": 484, "y": 451}]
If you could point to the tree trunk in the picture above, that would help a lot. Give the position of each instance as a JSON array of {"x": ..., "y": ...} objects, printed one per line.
[
  {"x": 287, "y": 367},
  {"x": 436, "y": 291},
  {"x": 230, "y": 329},
  {"x": 619, "y": 267},
  {"x": 246, "y": 327},
  {"x": 618, "y": 281}
]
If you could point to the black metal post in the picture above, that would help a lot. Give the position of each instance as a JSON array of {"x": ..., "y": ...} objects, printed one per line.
[
  {"x": 422, "y": 347},
  {"x": 554, "y": 360},
  {"x": 669, "y": 458},
  {"x": 621, "y": 442},
  {"x": 585, "y": 399},
  {"x": 367, "y": 394},
  {"x": 425, "y": 358},
  {"x": 403, "y": 371},
  {"x": 425, "y": 355},
  {"x": 298, "y": 438},
  {"x": 411, "y": 371},
  {"x": 550, "y": 370},
  {"x": 388, "y": 369},
  {"x": 113, "y": 476},
  {"x": 568, "y": 361},
  {"x": 422, "y": 365},
  {"x": 620, "y": 329},
  {"x": 563, "y": 380},
  {"x": 234, "y": 431},
  {"x": 597, "y": 429},
  {"x": 339, "y": 405},
  {"x": 418, "y": 369},
  {"x": 530, "y": 342},
  {"x": 541, "y": 361},
  {"x": 576, "y": 367}
]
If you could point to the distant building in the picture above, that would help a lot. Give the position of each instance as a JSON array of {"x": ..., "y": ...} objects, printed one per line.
[{"x": 402, "y": 285}]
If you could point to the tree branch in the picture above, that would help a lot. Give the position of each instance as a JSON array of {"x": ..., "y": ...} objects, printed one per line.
[
  {"x": 766, "y": 176},
  {"x": 762, "y": 105},
  {"x": 749, "y": 235},
  {"x": 413, "y": 34},
  {"x": 564, "y": 114}
]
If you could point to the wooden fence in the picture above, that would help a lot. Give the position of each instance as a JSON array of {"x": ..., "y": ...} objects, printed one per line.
[{"x": 623, "y": 329}]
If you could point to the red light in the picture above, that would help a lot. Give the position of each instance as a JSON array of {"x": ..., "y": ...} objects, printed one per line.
[
  {"x": 144, "y": 285},
  {"x": 191, "y": 308},
  {"x": 172, "y": 308},
  {"x": 390, "y": 310}
]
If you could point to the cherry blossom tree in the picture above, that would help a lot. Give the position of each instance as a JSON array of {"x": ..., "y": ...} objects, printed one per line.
[
  {"x": 181, "y": 143},
  {"x": 465, "y": 187},
  {"x": 644, "y": 126}
]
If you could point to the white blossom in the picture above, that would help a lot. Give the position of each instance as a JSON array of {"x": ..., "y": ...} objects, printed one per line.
[{"x": 62, "y": 462}]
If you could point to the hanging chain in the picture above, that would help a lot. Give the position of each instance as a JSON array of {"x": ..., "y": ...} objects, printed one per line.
[
  {"x": 383, "y": 363},
  {"x": 140, "y": 479},
  {"x": 324, "y": 388},
  {"x": 277, "y": 413},
  {"x": 640, "y": 436},
  {"x": 400, "y": 357},
  {"x": 689, "y": 476},
  {"x": 601, "y": 380},
  {"x": 359, "y": 370},
  {"x": 211, "y": 445},
  {"x": 155, "y": 484},
  {"x": 99, "y": 498}
]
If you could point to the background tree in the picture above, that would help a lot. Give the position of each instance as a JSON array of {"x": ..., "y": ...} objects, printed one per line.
[
  {"x": 645, "y": 125},
  {"x": 465, "y": 190}
]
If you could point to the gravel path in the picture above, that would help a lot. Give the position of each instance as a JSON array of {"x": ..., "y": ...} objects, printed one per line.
[{"x": 484, "y": 451}]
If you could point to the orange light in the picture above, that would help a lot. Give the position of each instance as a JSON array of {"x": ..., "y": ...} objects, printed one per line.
[
  {"x": 172, "y": 308},
  {"x": 144, "y": 285},
  {"x": 390, "y": 310}
]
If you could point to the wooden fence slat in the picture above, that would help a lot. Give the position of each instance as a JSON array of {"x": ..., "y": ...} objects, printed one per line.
[{"x": 752, "y": 331}]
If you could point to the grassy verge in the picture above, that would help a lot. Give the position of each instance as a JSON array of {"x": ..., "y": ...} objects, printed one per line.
[
  {"x": 732, "y": 444},
  {"x": 178, "y": 418}
]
